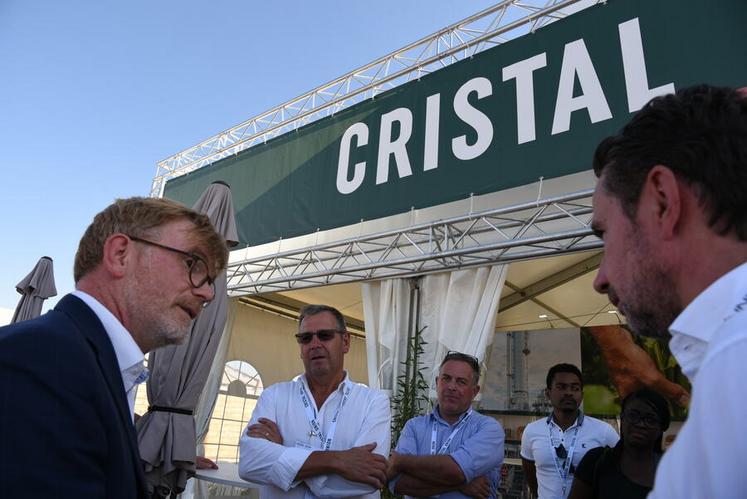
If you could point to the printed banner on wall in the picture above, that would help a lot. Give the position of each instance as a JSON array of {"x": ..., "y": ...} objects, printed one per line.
[
  {"x": 616, "y": 363},
  {"x": 515, "y": 380},
  {"x": 613, "y": 363}
]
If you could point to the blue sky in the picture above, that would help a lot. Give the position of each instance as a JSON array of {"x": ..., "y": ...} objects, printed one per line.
[{"x": 94, "y": 93}]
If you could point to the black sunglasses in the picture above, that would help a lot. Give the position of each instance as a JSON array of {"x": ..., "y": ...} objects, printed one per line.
[
  {"x": 561, "y": 452},
  {"x": 197, "y": 266},
  {"x": 322, "y": 334}
]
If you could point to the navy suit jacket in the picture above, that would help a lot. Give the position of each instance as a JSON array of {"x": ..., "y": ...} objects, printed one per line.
[{"x": 65, "y": 425}]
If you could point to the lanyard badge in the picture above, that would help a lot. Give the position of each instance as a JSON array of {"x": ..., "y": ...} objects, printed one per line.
[
  {"x": 310, "y": 409},
  {"x": 562, "y": 457},
  {"x": 447, "y": 442}
]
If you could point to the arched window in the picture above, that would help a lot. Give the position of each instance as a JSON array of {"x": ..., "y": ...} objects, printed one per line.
[{"x": 240, "y": 388}]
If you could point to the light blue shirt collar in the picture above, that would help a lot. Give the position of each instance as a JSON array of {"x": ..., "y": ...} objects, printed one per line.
[{"x": 436, "y": 414}]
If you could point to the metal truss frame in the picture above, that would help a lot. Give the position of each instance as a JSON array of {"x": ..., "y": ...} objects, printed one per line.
[
  {"x": 546, "y": 227},
  {"x": 502, "y": 22}
]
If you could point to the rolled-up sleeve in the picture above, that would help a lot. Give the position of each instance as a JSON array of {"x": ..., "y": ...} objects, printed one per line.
[
  {"x": 265, "y": 462},
  {"x": 375, "y": 427},
  {"x": 482, "y": 451}
]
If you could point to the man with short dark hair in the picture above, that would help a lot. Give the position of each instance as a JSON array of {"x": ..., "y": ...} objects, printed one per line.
[
  {"x": 671, "y": 208},
  {"x": 552, "y": 447},
  {"x": 143, "y": 271},
  {"x": 320, "y": 435},
  {"x": 454, "y": 451}
]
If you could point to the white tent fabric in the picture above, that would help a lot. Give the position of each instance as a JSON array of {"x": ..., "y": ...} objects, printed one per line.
[
  {"x": 459, "y": 309},
  {"x": 386, "y": 306},
  {"x": 457, "y": 312}
]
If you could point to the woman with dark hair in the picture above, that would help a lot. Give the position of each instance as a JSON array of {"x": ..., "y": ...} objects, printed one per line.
[{"x": 626, "y": 471}]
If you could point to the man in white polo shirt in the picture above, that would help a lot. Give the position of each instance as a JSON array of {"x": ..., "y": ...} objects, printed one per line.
[
  {"x": 319, "y": 435},
  {"x": 552, "y": 447}
]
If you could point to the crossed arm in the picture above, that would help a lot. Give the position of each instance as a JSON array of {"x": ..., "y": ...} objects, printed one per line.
[
  {"x": 466, "y": 469},
  {"x": 334, "y": 473},
  {"x": 423, "y": 476},
  {"x": 358, "y": 464}
]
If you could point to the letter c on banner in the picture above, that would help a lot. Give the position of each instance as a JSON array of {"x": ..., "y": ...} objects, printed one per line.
[{"x": 345, "y": 186}]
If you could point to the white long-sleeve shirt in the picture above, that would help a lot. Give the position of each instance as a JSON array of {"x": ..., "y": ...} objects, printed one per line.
[
  {"x": 709, "y": 340},
  {"x": 365, "y": 418}
]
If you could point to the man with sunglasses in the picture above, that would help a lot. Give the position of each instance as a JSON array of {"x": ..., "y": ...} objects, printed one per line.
[
  {"x": 552, "y": 447},
  {"x": 454, "y": 451},
  {"x": 143, "y": 270},
  {"x": 320, "y": 435}
]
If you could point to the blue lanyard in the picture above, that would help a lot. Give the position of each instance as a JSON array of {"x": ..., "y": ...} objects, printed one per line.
[
  {"x": 564, "y": 469},
  {"x": 447, "y": 442}
]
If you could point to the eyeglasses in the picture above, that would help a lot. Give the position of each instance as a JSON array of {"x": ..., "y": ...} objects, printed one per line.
[
  {"x": 198, "y": 267},
  {"x": 464, "y": 357},
  {"x": 561, "y": 452},
  {"x": 322, "y": 334},
  {"x": 635, "y": 417}
]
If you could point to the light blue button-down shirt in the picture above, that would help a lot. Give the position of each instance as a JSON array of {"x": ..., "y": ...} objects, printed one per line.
[{"x": 477, "y": 447}]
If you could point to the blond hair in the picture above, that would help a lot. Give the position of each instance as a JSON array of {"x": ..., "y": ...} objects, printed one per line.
[{"x": 138, "y": 217}]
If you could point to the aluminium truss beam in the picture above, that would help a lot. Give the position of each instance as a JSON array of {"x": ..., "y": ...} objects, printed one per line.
[
  {"x": 493, "y": 26},
  {"x": 545, "y": 227}
]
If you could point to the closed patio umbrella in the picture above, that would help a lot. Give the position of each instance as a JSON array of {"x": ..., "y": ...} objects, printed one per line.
[
  {"x": 35, "y": 288},
  {"x": 166, "y": 433}
]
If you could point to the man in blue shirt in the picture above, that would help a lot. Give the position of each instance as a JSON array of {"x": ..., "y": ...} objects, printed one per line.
[{"x": 453, "y": 451}]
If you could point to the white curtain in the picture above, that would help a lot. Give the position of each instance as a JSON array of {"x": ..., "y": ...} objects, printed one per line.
[
  {"x": 458, "y": 310},
  {"x": 386, "y": 308}
]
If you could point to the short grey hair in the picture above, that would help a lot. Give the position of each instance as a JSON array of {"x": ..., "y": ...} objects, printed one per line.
[{"x": 309, "y": 310}]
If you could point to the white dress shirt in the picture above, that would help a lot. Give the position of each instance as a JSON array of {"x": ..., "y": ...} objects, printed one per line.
[
  {"x": 709, "y": 340},
  {"x": 365, "y": 418},
  {"x": 535, "y": 446},
  {"x": 129, "y": 356}
]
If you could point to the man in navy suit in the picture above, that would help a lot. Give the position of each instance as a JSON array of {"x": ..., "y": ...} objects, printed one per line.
[{"x": 143, "y": 271}]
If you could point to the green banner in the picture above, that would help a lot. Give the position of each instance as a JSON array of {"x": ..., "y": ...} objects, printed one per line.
[{"x": 534, "y": 107}]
